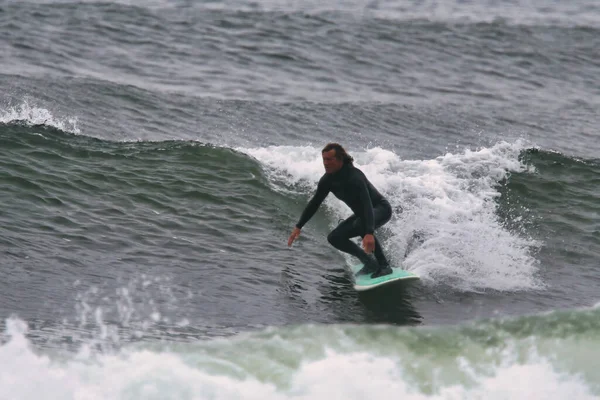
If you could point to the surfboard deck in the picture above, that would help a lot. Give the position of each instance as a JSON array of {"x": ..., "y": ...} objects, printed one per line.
[{"x": 365, "y": 282}]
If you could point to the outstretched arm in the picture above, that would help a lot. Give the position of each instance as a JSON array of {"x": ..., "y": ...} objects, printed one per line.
[
  {"x": 314, "y": 203},
  {"x": 310, "y": 209}
]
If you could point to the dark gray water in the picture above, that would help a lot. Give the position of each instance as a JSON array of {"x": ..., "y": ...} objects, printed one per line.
[{"x": 155, "y": 156}]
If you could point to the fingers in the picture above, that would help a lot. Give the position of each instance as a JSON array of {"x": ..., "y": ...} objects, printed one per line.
[{"x": 293, "y": 237}]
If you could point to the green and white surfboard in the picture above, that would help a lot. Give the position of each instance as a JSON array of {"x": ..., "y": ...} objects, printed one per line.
[{"x": 365, "y": 282}]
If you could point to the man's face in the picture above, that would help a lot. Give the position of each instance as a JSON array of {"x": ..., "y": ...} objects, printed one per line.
[{"x": 331, "y": 163}]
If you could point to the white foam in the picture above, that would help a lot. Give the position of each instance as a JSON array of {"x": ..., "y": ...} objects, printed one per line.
[
  {"x": 33, "y": 115},
  {"x": 449, "y": 200},
  {"x": 155, "y": 374},
  {"x": 362, "y": 375}
]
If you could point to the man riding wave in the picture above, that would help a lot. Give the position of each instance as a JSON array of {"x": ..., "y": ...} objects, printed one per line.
[{"x": 371, "y": 210}]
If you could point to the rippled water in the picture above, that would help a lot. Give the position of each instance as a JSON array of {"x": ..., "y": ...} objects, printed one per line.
[{"x": 154, "y": 157}]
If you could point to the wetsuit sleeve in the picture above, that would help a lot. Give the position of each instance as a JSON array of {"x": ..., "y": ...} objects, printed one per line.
[
  {"x": 367, "y": 206},
  {"x": 314, "y": 203}
]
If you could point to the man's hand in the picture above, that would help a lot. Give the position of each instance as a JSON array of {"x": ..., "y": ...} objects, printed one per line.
[
  {"x": 369, "y": 243},
  {"x": 293, "y": 236}
]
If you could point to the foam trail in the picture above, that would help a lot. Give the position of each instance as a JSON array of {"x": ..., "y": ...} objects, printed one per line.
[{"x": 448, "y": 201}]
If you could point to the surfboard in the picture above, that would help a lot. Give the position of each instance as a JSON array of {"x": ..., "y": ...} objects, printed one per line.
[{"x": 365, "y": 282}]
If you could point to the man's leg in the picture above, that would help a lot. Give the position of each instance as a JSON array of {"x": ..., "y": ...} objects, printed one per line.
[
  {"x": 341, "y": 235},
  {"x": 382, "y": 213},
  {"x": 353, "y": 227},
  {"x": 379, "y": 256}
]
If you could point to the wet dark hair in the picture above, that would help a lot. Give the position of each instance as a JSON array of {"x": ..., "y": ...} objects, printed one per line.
[{"x": 340, "y": 152}]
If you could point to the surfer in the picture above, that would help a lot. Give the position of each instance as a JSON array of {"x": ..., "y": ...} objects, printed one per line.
[{"x": 371, "y": 210}]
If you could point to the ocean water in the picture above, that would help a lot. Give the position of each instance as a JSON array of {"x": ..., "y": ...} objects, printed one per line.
[{"x": 155, "y": 156}]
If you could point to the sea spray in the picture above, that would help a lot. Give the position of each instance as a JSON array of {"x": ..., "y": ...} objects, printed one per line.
[
  {"x": 447, "y": 204},
  {"x": 548, "y": 356}
]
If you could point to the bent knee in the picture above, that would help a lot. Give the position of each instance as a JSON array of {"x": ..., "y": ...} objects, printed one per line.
[{"x": 333, "y": 237}]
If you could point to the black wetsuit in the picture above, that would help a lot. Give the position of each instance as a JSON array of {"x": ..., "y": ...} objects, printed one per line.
[{"x": 371, "y": 210}]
